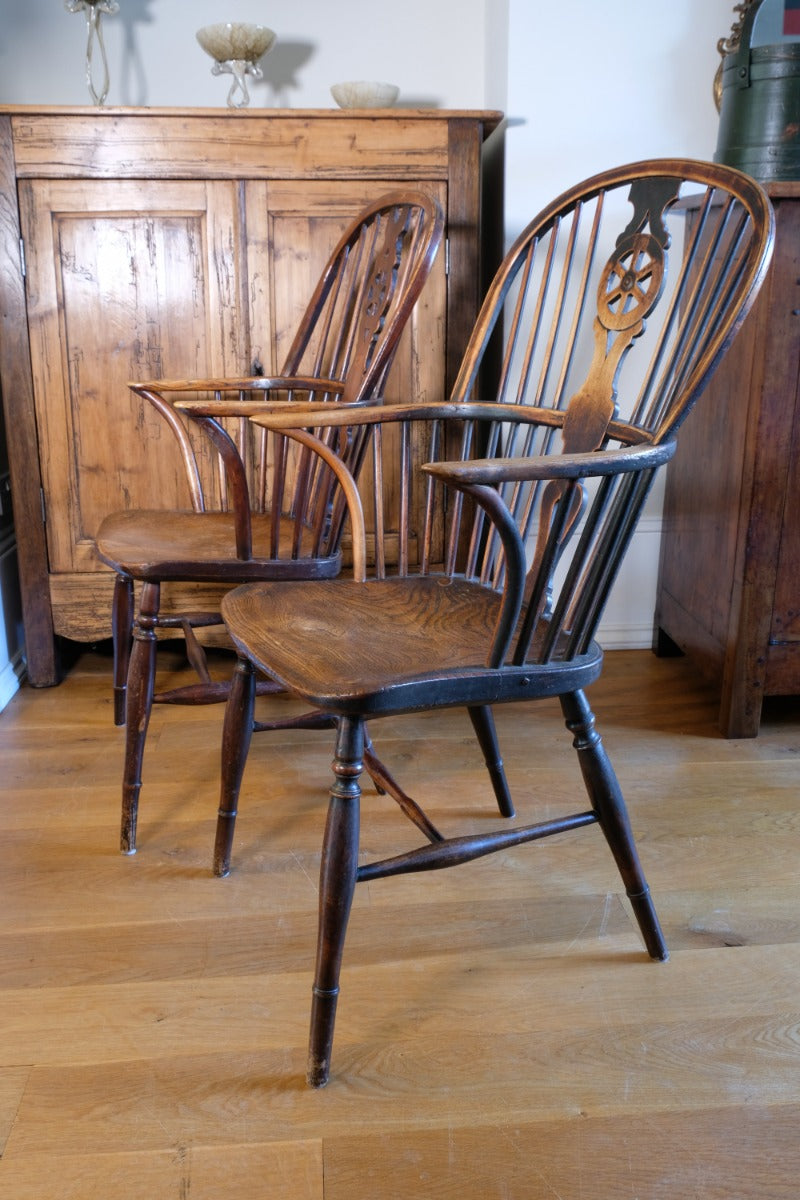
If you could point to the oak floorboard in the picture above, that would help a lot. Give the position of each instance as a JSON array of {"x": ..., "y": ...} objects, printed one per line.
[
  {"x": 677, "y": 1156},
  {"x": 12, "y": 1085},
  {"x": 279, "y": 1170},
  {"x": 501, "y": 1032},
  {"x": 594, "y": 985},
  {"x": 399, "y": 1081}
]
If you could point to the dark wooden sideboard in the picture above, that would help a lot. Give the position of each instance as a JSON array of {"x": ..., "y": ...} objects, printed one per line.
[
  {"x": 177, "y": 243},
  {"x": 729, "y": 579}
]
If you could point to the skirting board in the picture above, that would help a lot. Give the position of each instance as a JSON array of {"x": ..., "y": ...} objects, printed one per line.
[
  {"x": 11, "y": 676},
  {"x": 627, "y": 623},
  {"x": 12, "y": 663}
]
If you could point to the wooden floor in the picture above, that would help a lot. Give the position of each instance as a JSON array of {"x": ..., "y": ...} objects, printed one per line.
[{"x": 501, "y": 1032}]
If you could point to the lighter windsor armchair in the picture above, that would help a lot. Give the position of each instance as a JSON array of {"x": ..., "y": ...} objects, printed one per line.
[
  {"x": 515, "y": 529},
  {"x": 259, "y": 511}
]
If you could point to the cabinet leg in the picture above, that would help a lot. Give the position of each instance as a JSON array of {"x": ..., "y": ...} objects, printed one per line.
[
  {"x": 740, "y": 710},
  {"x": 663, "y": 645}
]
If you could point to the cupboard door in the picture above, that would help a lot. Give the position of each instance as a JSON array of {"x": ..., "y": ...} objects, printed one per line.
[
  {"x": 126, "y": 280},
  {"x": 291, "y": 229}
]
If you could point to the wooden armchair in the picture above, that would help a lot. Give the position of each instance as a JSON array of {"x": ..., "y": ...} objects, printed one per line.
[
  {"x": 259, "y": 510},
  {"x": 513, "y": 533}
]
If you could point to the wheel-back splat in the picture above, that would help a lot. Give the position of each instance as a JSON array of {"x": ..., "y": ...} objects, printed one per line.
[{"x": 630, "y": 286}]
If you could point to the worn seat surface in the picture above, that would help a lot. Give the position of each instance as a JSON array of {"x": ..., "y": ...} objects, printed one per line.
[{"x": 152, "y": 545}]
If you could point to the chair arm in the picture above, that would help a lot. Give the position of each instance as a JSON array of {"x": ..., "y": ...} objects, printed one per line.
[
  {"x": 251, "y": 383},
  {"x": 641, "y": 457},
  {"x": 157, "y": 393},
  {"x": 254, "y": 395},
  {"x": 380, "y": 414},
  {"x": 351, "y": 496},
  {"x": 336, "y": 415},
  {"x": 254, "y": 408}
]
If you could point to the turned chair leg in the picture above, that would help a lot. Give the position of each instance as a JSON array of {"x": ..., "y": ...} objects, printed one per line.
[
  {"x": 236, "y": 734},
  {"x": 141, "y": 680},
  {"x": 607, "y": 801},
  {"x": 486, "y": 733},
  {"x": 121, "y": 632},
  {"x": 338, "y": 873}
]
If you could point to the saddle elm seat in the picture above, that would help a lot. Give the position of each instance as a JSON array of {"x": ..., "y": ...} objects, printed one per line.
[{"x": 153, "y": 546}]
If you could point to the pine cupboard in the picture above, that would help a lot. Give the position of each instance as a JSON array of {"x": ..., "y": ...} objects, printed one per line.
[{"x": 141, "y": 243}]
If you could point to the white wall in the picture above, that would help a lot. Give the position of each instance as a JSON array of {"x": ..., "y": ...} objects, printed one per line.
[
  {"x": 586, "y": 84},
  {"x": 155, "y": 59},
  {"x": 593, "y": 83}
]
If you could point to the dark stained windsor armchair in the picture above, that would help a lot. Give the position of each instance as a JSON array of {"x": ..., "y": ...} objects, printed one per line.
[
  {"x": 611, "y": 317},
  {"x": 260, "y": 510}
]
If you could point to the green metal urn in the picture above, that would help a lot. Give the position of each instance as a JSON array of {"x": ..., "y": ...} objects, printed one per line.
[{"x": 759, "y": 124}]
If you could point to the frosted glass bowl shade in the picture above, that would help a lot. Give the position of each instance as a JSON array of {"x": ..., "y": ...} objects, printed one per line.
[
  {"x": 361, "y": 94},
  {"x": 232, "y": 41}
]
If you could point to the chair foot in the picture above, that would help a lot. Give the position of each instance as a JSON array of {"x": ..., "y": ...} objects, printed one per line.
[
  {"x": 486, "y": 733},
  {"x": 120, "y": 699},
  {"x": 323, "y": 1019},
  {"x": 130, "y": 807},
  {"x": 223, "y": 844},
  {"x": 649, "y": 925}
]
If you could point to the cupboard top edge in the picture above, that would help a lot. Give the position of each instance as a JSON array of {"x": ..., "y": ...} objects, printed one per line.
[
  {"x": 221, "y": 143},
  {"x": 489, "y": 117}
]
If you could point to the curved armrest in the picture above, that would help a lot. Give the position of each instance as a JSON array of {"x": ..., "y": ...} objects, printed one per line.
[
  {"x": 285, "y": 418},
  {"x": 235, "y": 397},
  {"x": 241, "y": 398},
  {"x": 351, "y": 496},
  {"x": 257, "y": 408},
  {"x": 594, "y": 463},
  {"x": 250, "y": 383},
  {"x": 385, "y": 414}
]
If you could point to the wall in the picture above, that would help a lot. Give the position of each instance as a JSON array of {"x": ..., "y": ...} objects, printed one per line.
[
  {"x": 155, "y": 59},
  {"x": 586, "y": 83}
]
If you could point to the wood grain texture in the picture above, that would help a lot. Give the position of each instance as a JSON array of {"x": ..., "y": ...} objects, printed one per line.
[
  {"x": 285, "y": 146},
  {"x": 501, "y": 1033}
]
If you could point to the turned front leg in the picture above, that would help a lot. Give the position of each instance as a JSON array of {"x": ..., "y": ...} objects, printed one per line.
[{"x": 337, "y": 885}]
